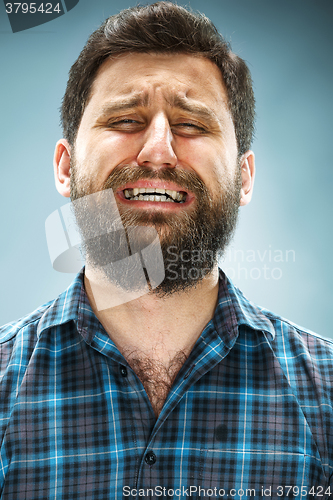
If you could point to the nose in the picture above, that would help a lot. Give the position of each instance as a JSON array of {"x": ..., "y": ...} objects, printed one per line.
[{"x": 157, "y": 150}]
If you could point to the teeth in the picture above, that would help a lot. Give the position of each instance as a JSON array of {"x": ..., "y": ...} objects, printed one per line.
[{"x": 132, "y": 194}]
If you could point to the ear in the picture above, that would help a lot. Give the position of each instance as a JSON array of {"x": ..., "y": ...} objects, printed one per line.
[
  {"x": 247, "y": 164},
  {"x": 62, "y": 167}
]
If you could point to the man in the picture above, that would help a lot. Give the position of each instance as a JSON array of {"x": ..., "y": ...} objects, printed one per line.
[{"x": 189, "y": 390}]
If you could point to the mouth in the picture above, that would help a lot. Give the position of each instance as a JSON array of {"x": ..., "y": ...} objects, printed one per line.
[
  {"x": 159, "y": 195},
  {"x": 153, "y": 195}
]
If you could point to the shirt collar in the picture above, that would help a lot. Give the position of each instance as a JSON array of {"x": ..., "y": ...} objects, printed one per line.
[
  {"x": 65, "y": 308},
  {"x": 232, "y": 310},
  {"x": 245, "y": 311}
]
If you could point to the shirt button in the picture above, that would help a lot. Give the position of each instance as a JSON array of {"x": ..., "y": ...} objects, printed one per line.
[
  {"x": 123, "y": 371},
  {"x": 150, "y": 458},
  {"x": 221, "y": 432}
]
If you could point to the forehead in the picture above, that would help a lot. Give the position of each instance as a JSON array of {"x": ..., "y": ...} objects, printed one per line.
[{"x": 162, "y": 76}]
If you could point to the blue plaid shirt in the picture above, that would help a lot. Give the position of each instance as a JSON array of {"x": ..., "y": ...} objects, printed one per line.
[{"x": 249, "y": 414}]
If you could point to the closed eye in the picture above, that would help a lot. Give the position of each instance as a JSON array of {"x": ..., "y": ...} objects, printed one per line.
[
  {"x": 124, "y": 121},
  {"x": 126, "y": 124},
  {"x": 191, "y": 127},
  {"x": 132, "y": 125}
]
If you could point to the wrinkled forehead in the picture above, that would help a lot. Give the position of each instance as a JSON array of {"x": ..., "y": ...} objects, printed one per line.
[{"x": 175, "y": 76}]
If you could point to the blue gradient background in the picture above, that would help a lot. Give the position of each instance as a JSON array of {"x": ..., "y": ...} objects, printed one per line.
[{"x": 288, "y": 46}]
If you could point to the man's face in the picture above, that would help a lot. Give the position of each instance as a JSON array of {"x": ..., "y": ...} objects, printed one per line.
[{"x": 158, "y": 131}]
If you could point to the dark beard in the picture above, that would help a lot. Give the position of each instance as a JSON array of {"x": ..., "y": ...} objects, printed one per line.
[{"x": 191, "y": 241}]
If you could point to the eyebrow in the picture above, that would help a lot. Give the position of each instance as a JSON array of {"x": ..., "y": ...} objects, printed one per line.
[
  {"x": 140, "y": 100},
  {"x": 197, "y": 109},
  {"x": 137, "y": 100}
]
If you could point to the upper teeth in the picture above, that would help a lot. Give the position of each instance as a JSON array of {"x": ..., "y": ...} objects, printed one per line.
[{"x": 138, "y": 194}]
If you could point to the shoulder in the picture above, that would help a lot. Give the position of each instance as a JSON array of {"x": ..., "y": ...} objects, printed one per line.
[
  {"x": 296, "y": 347},
  {"x": 17, "y": 342},
  {"x": 52, "y": 313},
  {"x": 28, "y": 323},
  {"x": 299, "y": 337},
  {"x": 302, "y": 349},
  {"x": 19, "y": 338}
]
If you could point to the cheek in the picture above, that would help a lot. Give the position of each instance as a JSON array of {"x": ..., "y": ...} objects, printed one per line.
[
  {"x": 204, "y": 162},
  {"x": 118, "y": 144},
  {"x": 217, "y": 165},
  {"x": 194, "y": 154},
  {"x": 103, "y": 154}
]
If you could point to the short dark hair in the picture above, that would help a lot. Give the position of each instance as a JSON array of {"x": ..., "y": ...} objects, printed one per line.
[{"x": 162, "y": 27}]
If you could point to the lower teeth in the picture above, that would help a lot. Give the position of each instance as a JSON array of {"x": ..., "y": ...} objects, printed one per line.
[{"x": 148, "y": 198}]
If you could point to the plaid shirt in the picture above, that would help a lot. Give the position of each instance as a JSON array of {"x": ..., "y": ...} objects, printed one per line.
[{"x": 249, "y": 414}]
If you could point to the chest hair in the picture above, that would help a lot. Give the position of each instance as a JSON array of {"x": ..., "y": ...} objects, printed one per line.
[{"x": 156, "y": 376}]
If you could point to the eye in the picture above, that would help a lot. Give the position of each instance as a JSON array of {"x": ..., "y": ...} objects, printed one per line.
[
  {"x": 125, "y": 120},
  {"x": 192, "y": 125},
  {"x": 191, "y": 128},
  {"x": 125, "y": 124}
]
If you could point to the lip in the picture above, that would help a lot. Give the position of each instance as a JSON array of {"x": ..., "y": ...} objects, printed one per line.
[{"x": 164, "y": 205}]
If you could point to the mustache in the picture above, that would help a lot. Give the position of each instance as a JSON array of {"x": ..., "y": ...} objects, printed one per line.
[{"x": 190, "y": 181}]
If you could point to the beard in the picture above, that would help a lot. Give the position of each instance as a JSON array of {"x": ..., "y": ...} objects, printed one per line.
[{"x": 191, "y": 240}]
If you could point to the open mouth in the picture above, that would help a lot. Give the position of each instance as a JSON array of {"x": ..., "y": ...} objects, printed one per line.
[{"x": 155, "y": 194}]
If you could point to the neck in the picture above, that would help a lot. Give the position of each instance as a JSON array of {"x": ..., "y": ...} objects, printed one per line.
[{"x": 157, "y": 327}]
